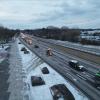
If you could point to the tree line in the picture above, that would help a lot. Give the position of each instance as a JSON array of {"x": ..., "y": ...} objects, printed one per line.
[
  {"x": 64, "y": 34},
  {"x": 6, "y": 34},
  {"x": 58, "y": 34}
]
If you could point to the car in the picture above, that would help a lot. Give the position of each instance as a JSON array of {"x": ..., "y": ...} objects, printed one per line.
[
  {"x": 26, "y": 52},
  {"x": 36, "y": 46},
  {"x": 36, "y": 81},
  {"x": 75, "y": 64},
  {"x": 61, "y": 92},
  {"x": 19, "y": 43},
  {"x": 23, "y": 49},
  {"x": 97, "y": 79},
  {"x": 45, "y": 70}
]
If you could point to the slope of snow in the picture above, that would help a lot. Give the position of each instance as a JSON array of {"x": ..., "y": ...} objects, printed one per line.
[
  {"x": 3, "y": 49},
  {"x": 32, "y": 66},
  {"x": 2, "y": 53}
]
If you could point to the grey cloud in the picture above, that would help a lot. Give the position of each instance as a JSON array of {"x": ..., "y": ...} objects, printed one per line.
[{"x": 55, "y": 12}]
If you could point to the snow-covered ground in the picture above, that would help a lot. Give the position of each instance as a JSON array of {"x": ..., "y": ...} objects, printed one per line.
[
  {"x": 3, "y": 52},
  {"x": 78, "y": 44},
  {"x": 31, "y": 66},
  {"x": 3, "y": 49}
]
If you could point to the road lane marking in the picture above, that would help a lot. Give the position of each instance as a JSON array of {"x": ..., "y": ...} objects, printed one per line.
[
  {"x": 81, "y": 77},
  {"x": 72, "y": 77}
]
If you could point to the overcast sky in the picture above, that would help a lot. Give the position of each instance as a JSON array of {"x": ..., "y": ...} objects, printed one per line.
[{"x": 41, "y": 13}]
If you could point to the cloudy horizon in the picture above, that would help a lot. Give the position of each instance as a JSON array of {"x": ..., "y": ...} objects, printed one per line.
[{"x": 31, "y": 14}]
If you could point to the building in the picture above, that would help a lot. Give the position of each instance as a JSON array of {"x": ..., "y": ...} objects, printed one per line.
[{"x": 90, "y": 35}]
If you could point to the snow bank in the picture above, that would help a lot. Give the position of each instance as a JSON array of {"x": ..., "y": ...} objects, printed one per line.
[{"x": 3, "y": 53}]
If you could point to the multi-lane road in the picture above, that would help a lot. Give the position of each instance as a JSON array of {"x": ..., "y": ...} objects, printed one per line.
[
  {"x": 84, "y": 81},
  {"x": 84, "y": 53},
  {"x": 85, "y": 48}
]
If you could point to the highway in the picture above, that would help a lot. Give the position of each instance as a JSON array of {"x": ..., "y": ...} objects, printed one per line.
[
  {"x": 90, "y": 49},
  {"x": 84, "y": 81},
  {"x": 93, "y": 50},
  {"x": 75, "y": 52}
]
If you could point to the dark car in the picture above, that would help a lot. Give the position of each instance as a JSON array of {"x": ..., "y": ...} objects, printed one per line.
[
  {"x": 26, "y": 52},
  {"x": 36, "y": 46},
  {"x": 19, "y": 43},
  {"x": 23, "y": 49},
  {"x": 75, "y": 64},
  {"x": 45, "y": 70},
  {"x": 36, "y": 81},
  {"x": 60, "y": 91}
]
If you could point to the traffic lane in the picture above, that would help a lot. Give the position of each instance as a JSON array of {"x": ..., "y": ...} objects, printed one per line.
[
  {"x": 88, "y": 67},
  {"x": 75, "y": 54},
  {"x": 81, "y": 74},
  {"x": 77, "y": 47}
]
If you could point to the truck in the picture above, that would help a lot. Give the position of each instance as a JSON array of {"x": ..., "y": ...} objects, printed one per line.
[{"x": 49, "y": 52}]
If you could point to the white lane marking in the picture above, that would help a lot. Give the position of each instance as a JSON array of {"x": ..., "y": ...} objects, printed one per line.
[
  {"x": 75, "y": 79},
  {"x": 81, "y": 77},
  {"x": 72, "y": 77},
  {"x": 88, "y": 76}
]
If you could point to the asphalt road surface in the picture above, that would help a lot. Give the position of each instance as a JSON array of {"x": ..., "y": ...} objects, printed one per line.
[{"x": 80, "y": 47}]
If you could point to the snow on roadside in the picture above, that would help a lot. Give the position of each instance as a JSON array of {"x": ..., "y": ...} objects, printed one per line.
[
  {"x": 32, "y": 66},
  {"x": 3, "y": 49},
  {"x": 78, "y": 44},
  {"x": 2, "y": 53}
]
